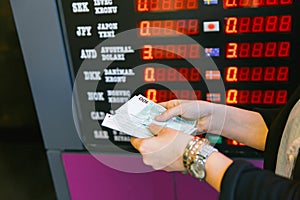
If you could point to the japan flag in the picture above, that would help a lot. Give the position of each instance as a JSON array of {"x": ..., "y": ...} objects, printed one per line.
[{"x": 211, "y": 26}]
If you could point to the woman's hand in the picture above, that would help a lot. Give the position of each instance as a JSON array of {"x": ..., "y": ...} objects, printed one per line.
[
  {"x": 245, "y": 126},
  {"x": 164, "y": 150},
  {"x": 202, "y": 111}
]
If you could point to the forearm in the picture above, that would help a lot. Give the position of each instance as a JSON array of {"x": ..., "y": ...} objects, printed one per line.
[
  {"x": 216, "y": 166},
  {"x": 245, "y": 126}
]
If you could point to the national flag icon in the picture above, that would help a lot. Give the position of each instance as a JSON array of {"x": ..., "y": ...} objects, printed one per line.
[
  {"x": 210, "y": 2},
  {"x": 211, "y": 26},
  {"x": 212, "y": 52},
  {"x": 213, "y": 97},
  {"x": 212, "y": 75}
]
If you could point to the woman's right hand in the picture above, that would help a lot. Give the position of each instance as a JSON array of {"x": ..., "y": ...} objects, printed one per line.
[
  {"x": 245, "y": 126},
  {"x": 202, "y": 111}
]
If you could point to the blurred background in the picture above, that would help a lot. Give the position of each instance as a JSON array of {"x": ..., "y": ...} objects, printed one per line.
[{"x": 24, "y": 171}]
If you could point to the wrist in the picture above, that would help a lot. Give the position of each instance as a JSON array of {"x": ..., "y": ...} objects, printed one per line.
[{"x": 195, "y": 156}]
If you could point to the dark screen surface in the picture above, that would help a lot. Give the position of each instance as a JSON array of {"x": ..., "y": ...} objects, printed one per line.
[{"x": 240, "y": 53}]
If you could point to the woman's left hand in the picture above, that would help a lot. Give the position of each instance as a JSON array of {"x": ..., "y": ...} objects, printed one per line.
[{"x": 163, "y": 151}]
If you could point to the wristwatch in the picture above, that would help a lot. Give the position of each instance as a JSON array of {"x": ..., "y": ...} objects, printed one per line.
[
  {"x": 195, "y": 156},
  {"x": 197, "y": 167}
]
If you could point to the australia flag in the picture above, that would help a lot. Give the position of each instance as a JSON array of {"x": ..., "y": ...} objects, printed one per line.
[{"x": 212, "y": 52}]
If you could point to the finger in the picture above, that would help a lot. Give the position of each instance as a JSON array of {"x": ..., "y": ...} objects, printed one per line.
[
  {"x": 136, "y": 142},
  {"x": 170, "y": 104},
  {"x": 170, "y": 113},
  {"x": 156, "y": 129},
  {"x": 164, "y": 104}
]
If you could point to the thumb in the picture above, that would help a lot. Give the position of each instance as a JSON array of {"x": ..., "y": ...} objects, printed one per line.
[{"x": 156, "y": 129}]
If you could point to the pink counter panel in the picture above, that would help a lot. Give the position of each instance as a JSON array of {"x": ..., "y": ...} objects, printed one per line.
[{"x": 89, "y": 179}]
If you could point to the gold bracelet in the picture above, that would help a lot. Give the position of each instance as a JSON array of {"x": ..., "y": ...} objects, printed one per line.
[
  {"x": 186, "y": 154},
  {"x": 195, "y": 155}
]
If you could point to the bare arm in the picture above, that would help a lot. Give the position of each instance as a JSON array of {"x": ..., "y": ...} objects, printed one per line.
[
  {"x": 245, "y": 126},
  {"x": 242, "y": 125}
]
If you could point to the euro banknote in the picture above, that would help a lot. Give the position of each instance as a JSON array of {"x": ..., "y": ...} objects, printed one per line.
[{"x": 134, "y": 117}]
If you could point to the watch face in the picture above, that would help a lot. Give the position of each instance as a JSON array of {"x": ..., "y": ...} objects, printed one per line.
[{"x": 197, "y": 170}]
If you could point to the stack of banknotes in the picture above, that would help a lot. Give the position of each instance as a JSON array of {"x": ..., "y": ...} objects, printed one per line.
[{"x": 134, "y": 117}]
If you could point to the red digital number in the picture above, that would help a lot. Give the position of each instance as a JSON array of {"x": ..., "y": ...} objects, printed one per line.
[
  {"x": 256, "y": 74},
  {"x": 149, "y": 74},
  {"x": 151, "y": 94},
  {"x": 281, "y": 97},
  {"x": 271, "y": 23},
  {"x": 178, "y": 5},
  {"x": 231, "y": 50},
  {"x": 154, "y": 5},
  {"x": 256, "y": 97},
  {"x": 244, "y": 96},
  {"x": 231, "y": 74},
  {"x": 142, "y": 6},
  {"x": 181, "y": 26},
  {"x": 244, "y": 25},
  {"x": 184, "y": 72},
  {"x": 165, "y": 5},
  {"x": 270, "y": 49},
  {"x": 193, "y": 27},
  {"x": 147, "y": 52},
  {"x": 165, "y": 95},
  {"x": 283, "y": 73},
  {"x": 269, "y": 74},
  {"x": 284, "y": 49},
  {"x": 160, "y": 74},
  {"x": 194, "y": 51},
  {"x": 156, "y": 28},
  {"x": 170, "y": 52},
  {"x": 230, "y": 3},
  {"x": 244, "y": 50},
  {"x": 182, "y": 51},
  {"x": 254, "y": 3},
  {"x": 285, "y": 23},
  {"x": 231, "y": 96},
  {"x": 257, "y": 50},
  {"x": 168, "y": 27},
  {"x": 231, "y": 25},
  {"x": 258, "y": 24},
  {"x": 159, "y": 52},
  {"x": 270, "y": 97},
  {"x": 194, "y": 74},
  {"x": 192, "y": 4},
  {"x": 144, "y": 28},
  {"x": 172, "y": 75},
  {"x": 244, "y": 74},
  {"x": 152, "y": 74}
]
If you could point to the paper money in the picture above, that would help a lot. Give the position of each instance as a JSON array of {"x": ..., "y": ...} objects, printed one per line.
[{"x": 134, "y": 117}]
